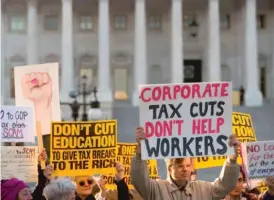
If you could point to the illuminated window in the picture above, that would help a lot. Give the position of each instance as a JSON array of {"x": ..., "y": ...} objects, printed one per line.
[
  {"x": 120, "y": 84},
  {"x": 17, "y": 24},
  {"x": 86, "y": 23}
]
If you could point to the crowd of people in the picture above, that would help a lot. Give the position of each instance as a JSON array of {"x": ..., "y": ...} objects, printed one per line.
[{"x": 229, "y": 186}]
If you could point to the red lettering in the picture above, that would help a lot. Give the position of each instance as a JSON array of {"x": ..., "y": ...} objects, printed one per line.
[
  {"x": 167, "y": 93},
  {"x": 207, "y": 91},
  {"x": 220, "y": 122},
  {"x": 176, "y": 89},
  {"x": 185, "y": 91},
  {"x": 156, "y": 93},
  {"x": 196, "y": 90},
  {"x": 205, "y": 126},
  {"x": 143, "y": 95},
  {"x": 253, "y": 148},
  {"x": 224, "y": 92},
  {"x": 215, "y": 86}
]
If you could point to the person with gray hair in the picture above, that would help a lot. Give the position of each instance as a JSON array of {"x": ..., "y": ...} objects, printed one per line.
[{"x": 60, "y": 189}]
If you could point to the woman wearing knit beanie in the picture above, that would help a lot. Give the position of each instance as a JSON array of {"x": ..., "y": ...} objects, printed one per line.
[{"x": 15, "y": 189}]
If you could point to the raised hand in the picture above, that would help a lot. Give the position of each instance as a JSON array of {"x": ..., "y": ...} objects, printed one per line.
[
  {"x": 233, "y": 142},
  {"x": 48, "y": 172},
  {"x": 37, "y": 87},
  {"x": 120, "y": 171}
]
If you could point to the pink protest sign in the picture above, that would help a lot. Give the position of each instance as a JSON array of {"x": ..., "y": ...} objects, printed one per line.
[{"x": 186, "y": 120}]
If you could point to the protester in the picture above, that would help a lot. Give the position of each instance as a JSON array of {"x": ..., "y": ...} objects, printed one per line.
[
  {"x": 85, "y": 185},
  {"x": 238, "y": 192},
  {"x": 60, "y": 189},
  {"x": 178, "y": 186},
  {"x": 122, "y": 188},
  {"x": 15, "y": 189},
  {"x": 269, "y": 194}
]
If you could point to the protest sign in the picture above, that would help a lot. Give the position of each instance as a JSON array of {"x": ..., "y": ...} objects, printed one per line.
[
  {"x": 258, "y": 161},
  {"x": 83, "y": 148},
  {"x": 186, "y": 120},
  {"x": 126, "y": 151},
  {"x": 20, "y": 162},
  {"x": 17, "y": 124},
  {"x": 38, "y": 86},
  {"x": 243, "y": 128}
]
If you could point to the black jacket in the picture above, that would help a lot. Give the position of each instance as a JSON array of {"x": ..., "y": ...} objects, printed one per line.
[
  {"x": 42, "y": 181},
  {"x": 122, "y": 189},
  {"x": 90, "y": 197}
]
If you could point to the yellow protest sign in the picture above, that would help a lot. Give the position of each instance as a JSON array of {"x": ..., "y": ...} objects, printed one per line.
[
  {"x": 262, "y": 187},
  {"x": 243, "y": 128},
  {"x": 83, "y": 148},
  {"x": 126, "y": 151}
]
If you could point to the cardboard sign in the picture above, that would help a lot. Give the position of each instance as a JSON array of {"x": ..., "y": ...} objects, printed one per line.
[
  {"x": 186, "y": 120},
  {"x": 17, "y": 124},
  {"x": 20, "y": 162},
  {"x": 243, "y": 128},
  {"x": 258, "y": 161},
  {"x": 38, "y": 86},
  {"x": 83, "y": 148},
  {"x": 126, "y": 151}
]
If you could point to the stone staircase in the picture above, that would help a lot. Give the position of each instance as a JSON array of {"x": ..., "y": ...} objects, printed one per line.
[{"x": 262, "y": 117}]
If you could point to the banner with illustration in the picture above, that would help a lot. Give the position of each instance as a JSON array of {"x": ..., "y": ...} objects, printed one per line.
[
  {"x": 244, "y": 130},
  {"x": 258, "y": 161},
  {"x": 83, "y": 148},
  {"x": 38, "y": 86},
  {"x": 17, "y": 124},
  {"x": 126, "y": 151},
  {"x": 186, "y": 120},
  {"x": 20, "y": 162}
]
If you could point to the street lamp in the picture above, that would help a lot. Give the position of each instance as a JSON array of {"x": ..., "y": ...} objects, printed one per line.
[{"x": 94, "y": 112}]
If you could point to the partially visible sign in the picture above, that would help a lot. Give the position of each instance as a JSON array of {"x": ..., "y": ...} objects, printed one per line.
[
  {"x": 258, "y": 161},
  {"x": 20, "y": 162},
  {"x": 243, "y": 128},
  {"x": 126, "y": 151},
  {"x": 17, "y": 124}
]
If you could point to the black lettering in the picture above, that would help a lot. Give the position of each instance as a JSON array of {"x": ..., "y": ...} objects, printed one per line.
[
  {"x": 154, "y": 110},
  {"x": 192, "y": 110},
  {"x": 221, "y": 140},
  {"x": 203, "y": 111},
  {"x": 212, "y": 104},
  {"x": 186, "y": 147},
  {"x": 163, "y": 110},
  {"x": 209, "y": 144},
  {"x": 198, "y": 146},
  {"x": 80, "y": 165},
  {"x": 110, "y": 163},
  {"x": 165, "y": 147},
  {"x": 153, "y": 150},
  {"x": 220, "y": 106},
  {"x": 175, "y": 111},
  {"x": 175, "y": 145}
]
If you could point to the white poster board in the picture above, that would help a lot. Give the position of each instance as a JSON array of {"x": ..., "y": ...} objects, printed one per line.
[
  {"x": 258, "y": 161},
  {"x": 38, "y": 86},
  {"x": 17, "y": 124},
  {"x": 20, "y": 162},
  {"x": 186, "y": 120}
]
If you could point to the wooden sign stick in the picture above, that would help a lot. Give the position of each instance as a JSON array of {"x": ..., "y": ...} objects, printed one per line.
[{"x": 40, "y": 143}]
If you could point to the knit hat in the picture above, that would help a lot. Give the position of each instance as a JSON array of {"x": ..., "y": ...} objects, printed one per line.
[{"x": 10, "y": 188}]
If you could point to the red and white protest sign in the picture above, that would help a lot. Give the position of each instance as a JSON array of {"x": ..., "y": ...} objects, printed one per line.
[
  {"x": 186, "y": 120},
  {"x": 258, "y": 161}
]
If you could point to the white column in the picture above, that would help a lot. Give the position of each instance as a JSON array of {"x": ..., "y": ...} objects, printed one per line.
[
  {"x": 104, "y": 91},
  {"x": 253, "y": 96},
  {"x": 272, "y": 70},
  {"x": 140, "y": 55},
  {"x": 214, "y": 63},
  {"x": 32, "y": 48},
  {"x": 67, "y": 64},
  {"x": 177, "y": 57}
]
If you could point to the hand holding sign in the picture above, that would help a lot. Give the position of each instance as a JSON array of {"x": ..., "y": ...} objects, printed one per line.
[
  {"x": 233, "y": 142},
  {"x": 120, "y": 171},
  {"x": 140, "y": 135}
]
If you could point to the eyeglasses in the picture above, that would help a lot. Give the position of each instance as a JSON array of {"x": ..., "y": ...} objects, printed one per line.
[{"x": 83, "y": 182}]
